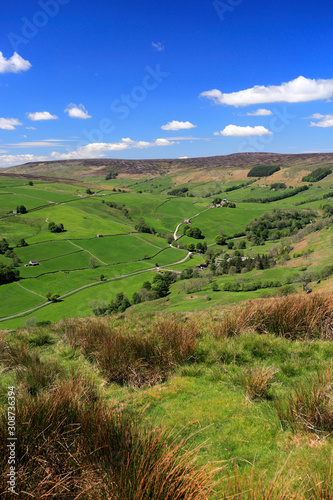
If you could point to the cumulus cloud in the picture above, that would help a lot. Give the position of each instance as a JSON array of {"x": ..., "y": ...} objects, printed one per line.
[
  {"x": 75, "y": 111},
  {"x": 158, "y": 46},
  {"x": 41, "y": 115},
  {"x": 9, "y": 123},
  {"x": 235, "y": 131},
  {"x": 14, "y": 64},
  {"x": 99, "y": 149},
  {"x": 260, "y": 112},
  {"x": 93, "y": 150},
  {"x": 299, "y": 90},
  {"x": 31, "y": 128},
  {"x": 324, "y": 120},
  {"x": 176, "y": 125}
]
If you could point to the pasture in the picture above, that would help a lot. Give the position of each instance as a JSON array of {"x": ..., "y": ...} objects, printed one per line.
[{"x": 76, "y": 258}]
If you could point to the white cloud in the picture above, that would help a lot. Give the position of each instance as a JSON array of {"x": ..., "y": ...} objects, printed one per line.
[
  {"x": 41, "y": 115},
  {"x": 158, "y": 46},
  {"x": 316, "y": 116},
  {"x": 35, "y": 144},
  {"x": 93, "y": 150},
  {"x": 14, "y": 64},
  {"x": 75, "y": 111},
  {"x": 176, "y": 125},
  {"x": 99, "y": 149},
  {"x": 9, "y": 123},
  {"x": 3, "y": 151},
  {"x": 299, "y": 90},
  {"x": 10, "y": 160},
  {"x": 324, "y": 120},
  {"x": 260, "y": 112},
  {"x": 31, "y": 128},
  {"x": 235, "y": 131}
]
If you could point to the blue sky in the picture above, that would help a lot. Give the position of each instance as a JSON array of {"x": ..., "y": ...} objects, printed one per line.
[{"x": 164, "y": 79}]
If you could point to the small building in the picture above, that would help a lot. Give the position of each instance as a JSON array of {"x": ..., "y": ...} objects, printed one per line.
[
  {"x": 33, "y": 263},
  {"x": 99, "y": 236},
  {"x": 15, "y": 212}
]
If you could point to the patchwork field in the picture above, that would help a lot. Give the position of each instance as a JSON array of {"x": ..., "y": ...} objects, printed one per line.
[{"x": 76, "y": 257}]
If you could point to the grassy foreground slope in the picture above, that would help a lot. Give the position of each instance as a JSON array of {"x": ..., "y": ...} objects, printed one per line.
[{"x": 248, "y": 391}]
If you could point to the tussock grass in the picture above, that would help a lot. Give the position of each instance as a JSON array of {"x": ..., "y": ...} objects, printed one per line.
[
  {"x": 254, "y": 485},
  {"x": 257, "y": 381},
  {"x": 310, "y": 405},
  {"x": 320, "y": 484},
  {"x": 134, "y": 358},
  {"x": 31, "y": 372},
  {"x": 293, "y": 317},
  {"x": 73, "y": 446}
]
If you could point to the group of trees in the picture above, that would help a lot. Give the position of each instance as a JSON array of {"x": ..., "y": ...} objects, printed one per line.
[
  {"x": 222, "y": 240},
  {"x": 263, "y": 170},
  {"x": 159, "y": 287},
  {"x": 9, "y": 253},
  {"x": 193, "y": 232},
  {"x": 278, "y": 185},
  {"x": 117, "y": 206},
  {"x": 317, "y": 175},
  {"x": 111, "y": 175},
  {"x": 142, "y": 227},
  {"x": 239, "y": 186},
  {"x": 277, "y": 224},
  {"x": 235, "y": 264},
  {"x": 8, "y": 274},
  {"x": 20, "y": 209},
  {"x": 56, "y": 228},
  {"x": 178, "y": 191}
]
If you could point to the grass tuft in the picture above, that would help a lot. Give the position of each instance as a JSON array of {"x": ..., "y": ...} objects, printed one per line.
[
  {"x": 134, "y": 358},
  {"x": 257, "y": 381},
  {"x": 293, "y": 317},
  {"x": 73, "y": 446},
  {"x": 310, "y": 406}
]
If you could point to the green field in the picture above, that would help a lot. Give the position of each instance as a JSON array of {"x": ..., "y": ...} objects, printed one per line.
[{"x": 76, "y": 257}]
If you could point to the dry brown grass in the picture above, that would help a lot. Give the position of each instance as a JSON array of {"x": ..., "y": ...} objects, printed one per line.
[
  {"x": 294, "y": 317},
  {"x": 73, "y": 446},
  {"x": 134, "y": 358}
]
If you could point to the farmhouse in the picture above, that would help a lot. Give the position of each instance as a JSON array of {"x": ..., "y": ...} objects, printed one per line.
[
  {"x": 99, "y": 236},
  {"x": 33, "y": 263}
]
